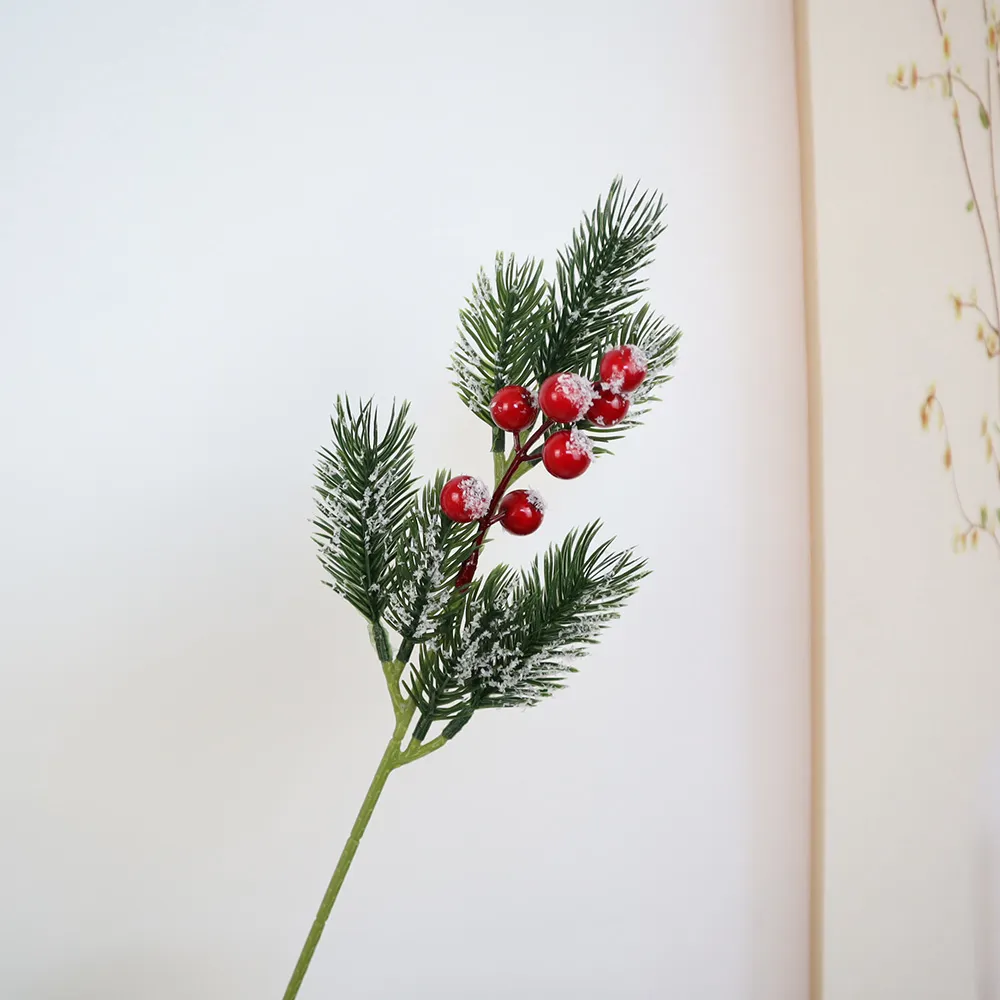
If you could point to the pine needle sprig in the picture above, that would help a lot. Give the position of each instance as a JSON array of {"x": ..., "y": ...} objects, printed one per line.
[
  {"x": 658, "y": 340},
  {"x": 364, "y": 490},
  {"x": 430, "y": 551},
  {"x": 598, "y": 279},
  {"x": 474, "y": 638},
  {"x": 564, "y": 600},
  {"x": 500, "y": 331},
  {"x": 517, "y": 637}
]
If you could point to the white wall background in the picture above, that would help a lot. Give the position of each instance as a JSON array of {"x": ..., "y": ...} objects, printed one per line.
[
  {"x": 214, "y": 218},
  {"x": 912, "y": 900}
]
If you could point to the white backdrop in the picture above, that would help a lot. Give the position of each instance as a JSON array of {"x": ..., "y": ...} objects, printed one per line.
[{"x": 215, "y": 217}]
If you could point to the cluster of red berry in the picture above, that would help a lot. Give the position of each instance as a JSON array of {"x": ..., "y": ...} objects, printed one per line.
[{"x": 564, "y": 398}]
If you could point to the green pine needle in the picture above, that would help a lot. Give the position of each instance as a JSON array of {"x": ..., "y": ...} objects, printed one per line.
[
  {"x": 364, "y": 491},
  {"x": 598, "y": 279},
  {"x": 658, "y": 340},
  {"x": 499, "y": 333},
  {"x": 430, "y": 552},
  {"x": 514, "y": 639}
]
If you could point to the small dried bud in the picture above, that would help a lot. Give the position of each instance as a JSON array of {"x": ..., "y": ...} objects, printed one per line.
[
  {"x": 992, "y": 344},
  {"x": 980, "y": 332},
  {"x": 946, "y": 43},
  {"x": 974, "y": 537},
  {"x": 947, "y": 457},
  {"x": 914, "y": 75},
  {"x": 989, "y": 449},
  {"x": 991, "y": 37},
  {"x": 982, "y": 426},
  {"x": 925, "y": 415},
  {"x": 899, "y": 74}
]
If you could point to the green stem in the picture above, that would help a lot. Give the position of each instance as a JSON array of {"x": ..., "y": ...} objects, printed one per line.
[
  {"x": 392, "y": 758},
  {"x": 499, "y": 467},
  {"x": 393, "y": 670},
  {"x": 382, "y": 772},
  {"x": 416, "y": 750},
  {"x": 405, "y": 651},
  {"x": 379, "y": 640}
]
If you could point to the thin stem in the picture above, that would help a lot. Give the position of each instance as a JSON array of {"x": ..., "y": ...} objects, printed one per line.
[
  {"x": 994, "y": 43},
  {"x": 416, "y": 749},
  {"x": 995, "y": 61},
  {"x": 392, "y": 758},
  {"x": 499, "y": 466},
  {"x": 971, "y": 526},
  {"x": 393, "y": 670},
  {"x": 405, "y": 651},
  {"x": 992, "y": 131},
  {"x": 382, "y": 772},
  {"x": 975, "y": 307},
  {"x": 526, "y": 466},
  {"x": 968, "y": 173},
  {"x": 982, "y": 223},
  {"x": 949, "y": 79}
]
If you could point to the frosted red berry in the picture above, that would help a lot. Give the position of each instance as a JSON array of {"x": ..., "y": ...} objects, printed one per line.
[
  {"x": 624, "y": 368},
  {"x": 465, "y": 499},
  {"x": 609, "y": 408},
  {"x": 567, "y": 454},
  {"x": 521, "y": 511},
  {"x": 565, "y": 397},
  {"x": 513, "y": 408}
]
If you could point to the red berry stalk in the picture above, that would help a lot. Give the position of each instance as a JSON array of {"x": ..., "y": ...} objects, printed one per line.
[
  {"x": 563, "y": 398},
  {"x": 468, "y": 570}
]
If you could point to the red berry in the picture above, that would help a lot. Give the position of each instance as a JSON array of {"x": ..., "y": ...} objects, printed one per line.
[
  {"x": 521, "y": 511},
  {"x": 609, "y": 408},
  {"x": 465, "y": 499},
  {"x": 513, "y": 408},
  {"x": 565, "y": 398},
  {"x": 567, "y": 454},
  {"x": 624, "y": 368}
]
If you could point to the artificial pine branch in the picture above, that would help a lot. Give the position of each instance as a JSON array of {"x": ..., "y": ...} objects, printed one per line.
[
  {"x": 513, "y": 641},
  {"x": 499, "y": 331},
  {"x": 409, "y": 560},
  {"x": 563, "y": 602},
  {"x": 658, "y": 340},
  {"x": 430, "y": 551},
  {"x": 598, "y": 279},
  {"x": 364, "y": 490},
  {"x": 471, "y": 645}
]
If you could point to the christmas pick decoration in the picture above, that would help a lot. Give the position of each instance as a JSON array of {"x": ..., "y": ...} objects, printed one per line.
[{"x": 579, "y": 357}]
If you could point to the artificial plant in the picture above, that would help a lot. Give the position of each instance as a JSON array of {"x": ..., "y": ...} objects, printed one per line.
[{"x": 557, "y": 370}]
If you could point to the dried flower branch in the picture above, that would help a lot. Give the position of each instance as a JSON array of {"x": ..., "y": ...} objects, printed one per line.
[{"x": 951, "y": 81}]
